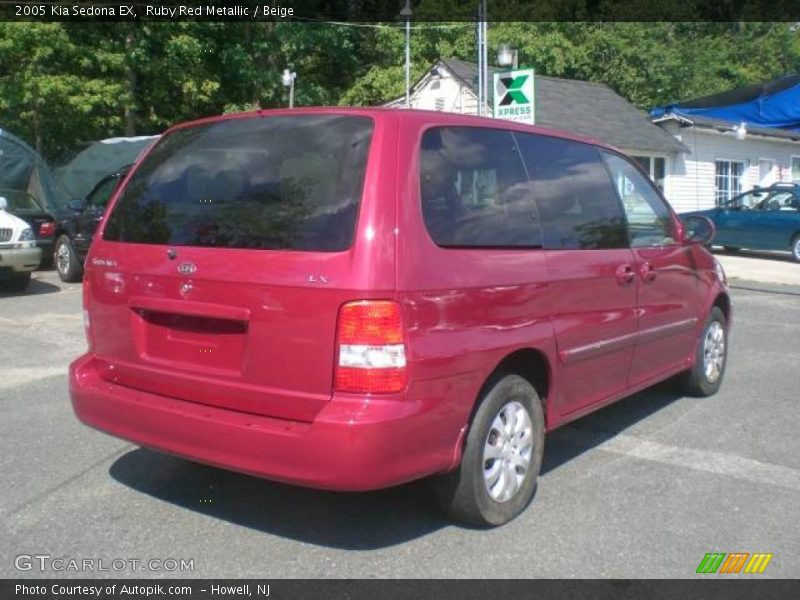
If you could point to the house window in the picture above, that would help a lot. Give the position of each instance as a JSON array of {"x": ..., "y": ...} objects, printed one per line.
[
  {"x": 796, "y": 168},
  {"x": 655, "y": 166},
  {"x": 728, "y": 180}
]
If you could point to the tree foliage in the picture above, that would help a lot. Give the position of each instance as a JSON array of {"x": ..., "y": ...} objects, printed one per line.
[{"x": 64, "y": 84}]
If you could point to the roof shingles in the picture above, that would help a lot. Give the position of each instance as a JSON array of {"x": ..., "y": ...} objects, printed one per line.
[{"x": 586, "y": 108}]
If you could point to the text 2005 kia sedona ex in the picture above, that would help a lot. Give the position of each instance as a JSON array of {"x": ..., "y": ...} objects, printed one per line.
[{"x": 350, "y": 299}]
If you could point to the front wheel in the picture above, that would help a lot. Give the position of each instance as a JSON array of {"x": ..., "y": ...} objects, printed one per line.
[
  {"x": 67, "y": 264},
  {"x": 711, "y": 356},
  {"x": 796, "y": 248},
  {"x": 502, "y": 456}
]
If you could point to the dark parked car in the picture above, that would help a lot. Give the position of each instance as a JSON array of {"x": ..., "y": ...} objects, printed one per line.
[
  {"x": 77, "y": 223},
  {"x": 760, "y": 219},
  {"x": 29, "y": 209}
]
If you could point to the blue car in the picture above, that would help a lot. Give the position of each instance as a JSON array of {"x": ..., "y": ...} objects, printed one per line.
[{"x": 761, "y": 219}]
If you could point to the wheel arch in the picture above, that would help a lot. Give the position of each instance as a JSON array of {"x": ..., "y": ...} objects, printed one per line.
[
  {"x": 794, "y": 236},
  {"x": 723, "y": 302},
  {"x": 529, "y": 363}
]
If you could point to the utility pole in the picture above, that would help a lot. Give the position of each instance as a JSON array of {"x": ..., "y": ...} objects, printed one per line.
[
  {"x": 479, "y": 48},
  {"x": 485, "y": 60},
  {"x": 406, "y": 15}
]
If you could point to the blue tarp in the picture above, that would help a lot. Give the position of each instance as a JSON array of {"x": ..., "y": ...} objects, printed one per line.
[{"x": 774, "y": 103}]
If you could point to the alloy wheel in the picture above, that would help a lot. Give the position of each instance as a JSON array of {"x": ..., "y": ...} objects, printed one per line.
[
  {"x": 63, "y": 258},
  {"x": 714, "y": 352},
  {"x": 507, "y": 452}
]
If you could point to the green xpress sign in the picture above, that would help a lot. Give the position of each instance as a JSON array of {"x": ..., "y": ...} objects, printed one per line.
[{"x": 513, "y": 96}]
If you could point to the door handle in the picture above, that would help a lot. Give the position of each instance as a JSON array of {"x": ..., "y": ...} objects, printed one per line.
[
  {"x": 624, "y": 274},
  {"x": 647, "y": 272}
]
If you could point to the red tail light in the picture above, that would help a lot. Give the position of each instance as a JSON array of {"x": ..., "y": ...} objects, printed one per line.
[
  {"x": 371, "y": 357},
  {"x": 47, "y": 229}
]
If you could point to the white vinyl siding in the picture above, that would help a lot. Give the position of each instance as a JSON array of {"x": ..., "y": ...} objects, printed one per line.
[
  {"x": 442, "y": 93},
  {"x": 691, "y": 178}
]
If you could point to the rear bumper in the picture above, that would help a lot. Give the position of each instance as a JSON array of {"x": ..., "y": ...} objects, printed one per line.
[
  {"x": 353, "y": 444},
  {"x": 20, "y": 260}
]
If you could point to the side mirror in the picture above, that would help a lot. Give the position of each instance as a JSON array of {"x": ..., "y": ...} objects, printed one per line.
[
  {"x": 698, "y": 230},
  {"x": 3, "y": 203},
  {"x": 75, "y": 205}
]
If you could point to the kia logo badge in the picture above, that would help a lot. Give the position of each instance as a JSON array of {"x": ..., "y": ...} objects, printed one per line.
[{"x": 186, "y": 268}]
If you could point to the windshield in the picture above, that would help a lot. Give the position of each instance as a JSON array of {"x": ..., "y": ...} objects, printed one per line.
[
  {"x": 746, "y": 200},
  {"x": 765, "y": 199},
  {"x": 286, "y": 182}
]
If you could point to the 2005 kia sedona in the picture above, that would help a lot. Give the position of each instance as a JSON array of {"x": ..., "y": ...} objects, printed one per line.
[{"x": 351, "y": 299}]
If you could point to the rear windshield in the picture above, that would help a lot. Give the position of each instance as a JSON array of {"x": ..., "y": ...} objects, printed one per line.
[{"x": 279, "y": 183}]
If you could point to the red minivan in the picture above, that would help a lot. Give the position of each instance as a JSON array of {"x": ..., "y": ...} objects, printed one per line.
[{"x": 351, "y": 299}]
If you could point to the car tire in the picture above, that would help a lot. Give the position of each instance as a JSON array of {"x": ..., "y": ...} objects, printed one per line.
[
  {"x": 496, "y": 478},
  {"x": 18, "y": 282},
  {"x": 796, "y": 248},
  {"x": 711, "y": 357},
  {"x": 731, "y": 249},
  {"x": 66, "y": 260}
]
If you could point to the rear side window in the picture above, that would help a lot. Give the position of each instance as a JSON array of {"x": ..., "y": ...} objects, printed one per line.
[
  {"x": 279, "y": 183},
  {"x": 474, "y": 190},
  {"x": 577, "y": 205},
  {"x": 649, "y": 221}
]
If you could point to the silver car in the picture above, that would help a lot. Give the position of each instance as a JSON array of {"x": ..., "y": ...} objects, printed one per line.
[{"x": 19, "y": 255}]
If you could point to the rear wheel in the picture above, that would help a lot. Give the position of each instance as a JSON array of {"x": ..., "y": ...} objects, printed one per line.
[
  {"x": 17, "y": 283},
  {"x": 705, "y": 377},
  {"x": 502, "y": 456},
  {"x": 67, "y": 264},
  {"x": 796, "y": 248}
]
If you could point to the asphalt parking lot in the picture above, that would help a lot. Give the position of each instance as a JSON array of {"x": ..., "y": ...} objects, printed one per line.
[{"x": 643, "y": 488}]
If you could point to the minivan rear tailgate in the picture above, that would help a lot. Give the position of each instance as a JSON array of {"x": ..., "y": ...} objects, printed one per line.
[
  {"x": 218, "y": 274},
  {"x": 262, "y": 344}
]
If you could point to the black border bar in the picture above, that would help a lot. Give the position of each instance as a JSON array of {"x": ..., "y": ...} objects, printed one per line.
[
  {"x": 388, "y": 11},
  {"x": 343, "y": 589}
]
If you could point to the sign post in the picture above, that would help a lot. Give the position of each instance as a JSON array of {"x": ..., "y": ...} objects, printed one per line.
[{"x": 513, "y": 96}]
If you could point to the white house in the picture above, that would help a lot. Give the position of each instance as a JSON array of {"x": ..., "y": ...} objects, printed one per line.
[
  {"x": 695, "y": 159},
  {"x": 737, "y": 140}
]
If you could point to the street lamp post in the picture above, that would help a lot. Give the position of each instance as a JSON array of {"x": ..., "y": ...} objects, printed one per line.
[
  {"x": 485, "y": 57},
  {"x": 287, "y": 79},
  {"x": 482, "y": 47},
  {"x": 405, "y": 14}
]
